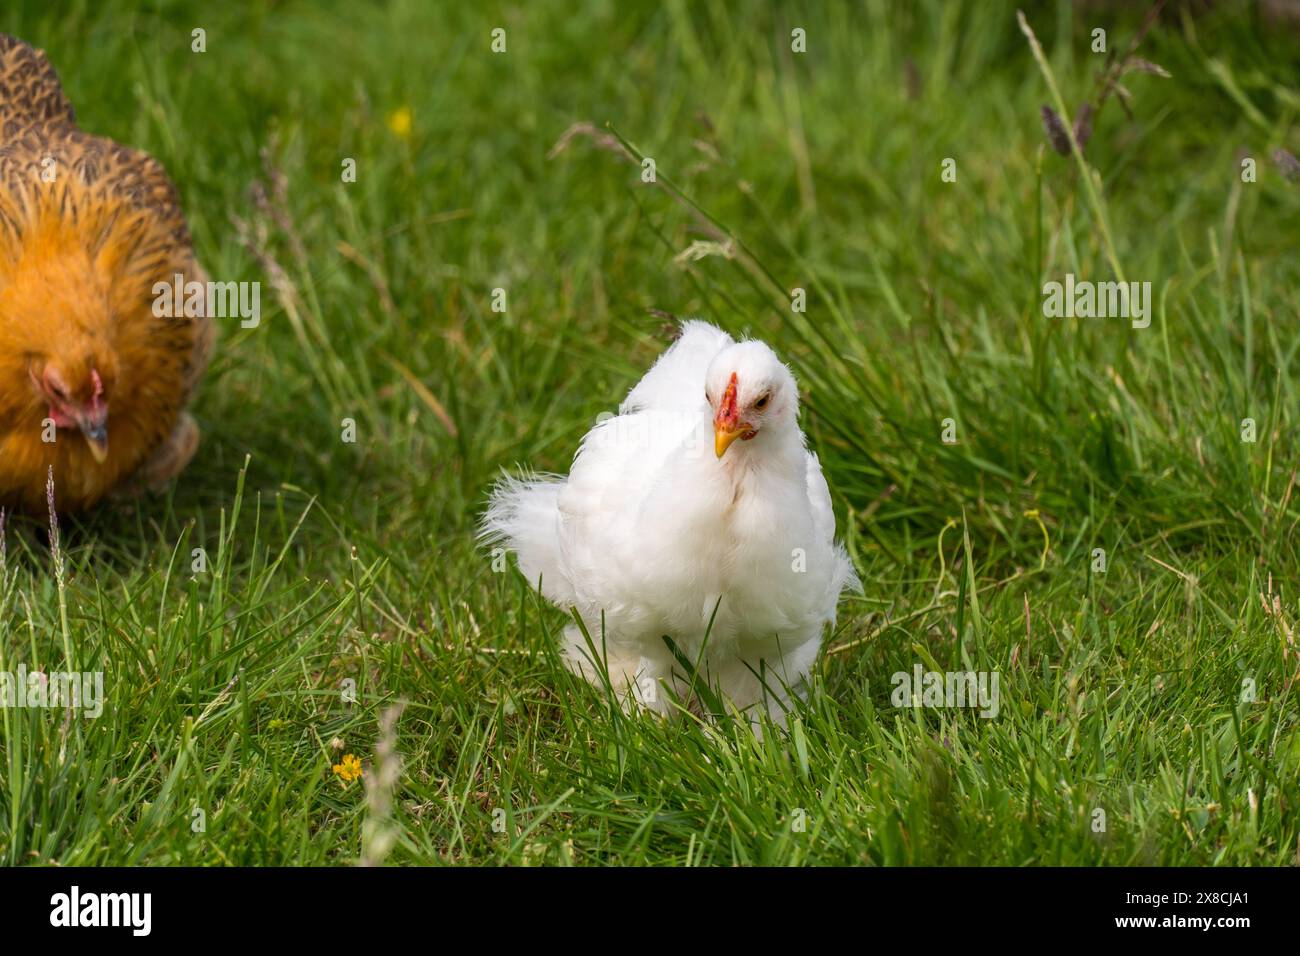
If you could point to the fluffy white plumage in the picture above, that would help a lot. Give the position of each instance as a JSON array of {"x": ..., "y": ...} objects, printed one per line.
[{"x": 699, "y": 494}]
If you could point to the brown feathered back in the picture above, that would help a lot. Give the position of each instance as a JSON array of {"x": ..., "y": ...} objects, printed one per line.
[
  {"x": 30, "y": 92},
  {"x": 87, "y": 227}
]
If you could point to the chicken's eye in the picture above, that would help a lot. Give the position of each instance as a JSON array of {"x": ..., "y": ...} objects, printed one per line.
[{"x": 762, "y": 402}]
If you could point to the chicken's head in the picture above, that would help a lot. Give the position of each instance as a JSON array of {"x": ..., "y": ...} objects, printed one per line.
[
  {"x": 60, "y": 322},
  {"x": 750, "y": 391},
  {"x": 82, "y": 406}
]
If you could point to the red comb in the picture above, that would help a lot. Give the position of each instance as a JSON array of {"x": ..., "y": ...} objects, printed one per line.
[{"x": 727, "y": 407}]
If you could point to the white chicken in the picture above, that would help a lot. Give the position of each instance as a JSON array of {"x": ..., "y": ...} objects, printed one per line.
[{"x": 698, "y": 514}]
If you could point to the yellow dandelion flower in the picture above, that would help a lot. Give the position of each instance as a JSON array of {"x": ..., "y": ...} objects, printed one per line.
[
  {"x": 399, "y": 121},
  {"x": 348, "y": 770}
]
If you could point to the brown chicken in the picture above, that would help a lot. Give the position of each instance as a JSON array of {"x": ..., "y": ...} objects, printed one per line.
[{"x": 92, "y": 382}]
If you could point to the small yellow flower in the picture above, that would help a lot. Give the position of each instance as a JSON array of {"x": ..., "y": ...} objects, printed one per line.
[
  {"x": 399, "y": 121},
  {"x": 348, "y": 770}
]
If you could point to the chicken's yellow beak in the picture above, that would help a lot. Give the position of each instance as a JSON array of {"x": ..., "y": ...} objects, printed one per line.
[
  {"x": 96, "y": 435},
  {"x": 724, "y": 436}
]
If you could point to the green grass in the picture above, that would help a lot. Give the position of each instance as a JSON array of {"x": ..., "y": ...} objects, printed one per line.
[{"x": 329, "y": 561}]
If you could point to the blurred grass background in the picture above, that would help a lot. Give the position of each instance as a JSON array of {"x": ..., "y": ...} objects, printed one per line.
[{"x": 330, "y": 561}]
